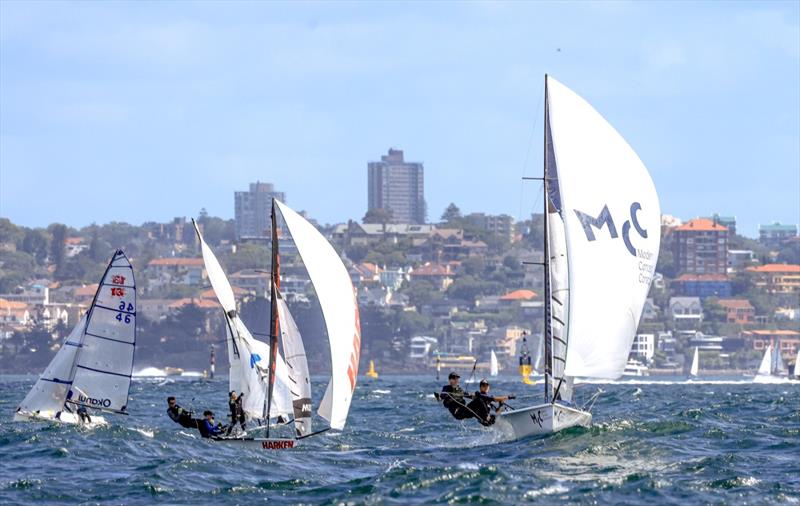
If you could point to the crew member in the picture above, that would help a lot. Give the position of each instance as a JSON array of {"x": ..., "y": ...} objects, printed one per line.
[
  {"x": 83, "y": 415},
  {"x": 208, "y": 427},
  {"x": 237, "y": 412},
  {"x": 180, "y": 415},
  {"x": 482, "y": 403},
  {"x": 452, "y": 396}
]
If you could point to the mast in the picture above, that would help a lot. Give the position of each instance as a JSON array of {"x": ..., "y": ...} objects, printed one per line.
[
  {"x": 273, "y": 317},
  {"x": 548, "y": 331}
]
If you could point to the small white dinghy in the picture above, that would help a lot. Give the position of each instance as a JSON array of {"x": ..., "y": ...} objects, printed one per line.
[
  {"x": 695, "y": 369},
  {"x": 772, "y": 369},
  {"x": 494, "y": 366},
  {"x": 602, "y": 236},
  {"x": 92, "y": 369}
]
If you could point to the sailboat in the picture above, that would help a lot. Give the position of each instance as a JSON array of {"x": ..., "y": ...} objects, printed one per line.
[
  {"x": 772, "y": 369},
  {"x": 372, "y": 373},
  {"x": 602, "y": 237},
  {"x": 92, "y": 369},
  {"x": 494, "y": 367},
  {"x": 340, "y": 311},
  {"x": 695, "y": 363}
]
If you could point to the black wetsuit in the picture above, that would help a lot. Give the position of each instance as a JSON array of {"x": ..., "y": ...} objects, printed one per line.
[
  {"x": 182, "y": 417},
  {"x": 237, "y": 413},
  {"x": 453, "y": 399},
  {"x": 481, "y": 405}
]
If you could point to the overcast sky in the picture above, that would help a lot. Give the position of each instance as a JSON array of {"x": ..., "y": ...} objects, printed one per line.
[{"x": 151, "y": 110}]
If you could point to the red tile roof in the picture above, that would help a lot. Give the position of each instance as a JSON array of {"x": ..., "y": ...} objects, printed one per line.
[
  {"x": 85, "y": 290},
  {"x": 735, "y": 303},
  {"x": 775, "y": 268},
  {"x": 701, "y": 225},
  {"x": 519, "y": 295},
  {"x": 201, "y": 303},
  {"x": 432, "y": 270},
  {"x": 772, "y": 332},
  {"x": 177, "y": 261},
  {"x": 12, "y": 305}
]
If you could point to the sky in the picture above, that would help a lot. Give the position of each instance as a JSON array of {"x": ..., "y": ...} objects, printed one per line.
[{"x": 145, "y": 111}]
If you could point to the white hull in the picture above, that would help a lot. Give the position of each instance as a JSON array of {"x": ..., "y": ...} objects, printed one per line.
[
  {"x": 541, "y": 420},
  {"x": 262, "y": 443},
  {"x": 65, "y": 417}
]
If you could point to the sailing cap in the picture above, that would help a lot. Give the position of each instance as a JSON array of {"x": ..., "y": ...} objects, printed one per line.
[
  {"x": 453, "y": 375},
  {"x": 483, "y": 382}
]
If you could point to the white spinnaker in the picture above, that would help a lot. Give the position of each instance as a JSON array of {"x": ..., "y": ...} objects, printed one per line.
[
  {"x": 338, "y": 302},
  {"x": 695, "y": 362},
  {"x": 48, "y": 395},
  {"x": 297, "y": 364},
  {"x": 104, "y": 363},
  {"x": 494, "y": 367},
  {"x": 612, "y": 223},
  {"x": 254, "y": 356},
  {"x": 765, "y": 369},
  {"x": 220, "y": 283}
]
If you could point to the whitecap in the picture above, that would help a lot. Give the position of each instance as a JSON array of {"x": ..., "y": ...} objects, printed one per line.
[{"x": 551, "y": 490}]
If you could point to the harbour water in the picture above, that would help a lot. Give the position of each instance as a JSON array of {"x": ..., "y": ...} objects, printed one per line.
[{"x": 726, "y": 441}]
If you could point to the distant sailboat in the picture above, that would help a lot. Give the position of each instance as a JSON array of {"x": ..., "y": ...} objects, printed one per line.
[
  {"x": 372, "y": 373},
  {"x": 772, "y": 369},
  {"x": 695, "y": 363},
  {"x": 494, "y": 367},
  {"x": 602, "y": 234},
  {"x": 92, "y": 369}
]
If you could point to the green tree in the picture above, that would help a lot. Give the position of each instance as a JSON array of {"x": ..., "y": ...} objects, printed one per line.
[
  {"x": 452, "y": 215},
  {"x": 36, "y": 243},
  {"x": 57, "y": 246},
  {"x": 378, "y": 216},
  {"x": 10, "y": 233},
  {"x": 248, "y": 256}
]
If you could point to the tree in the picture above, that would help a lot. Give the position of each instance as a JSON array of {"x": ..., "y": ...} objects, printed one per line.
[
  {"x": 452, "y": 214},
  {"x": 36, "y": 243},
  {"x": 57, "y": 247},
  {"x": 9, "y": 232},
  {"x": 378, "y": 216}
]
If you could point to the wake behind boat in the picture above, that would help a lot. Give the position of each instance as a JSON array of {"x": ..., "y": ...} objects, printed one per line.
[
  {"x": 602, "y": 236},
  {"x": 92, "y": 370}
]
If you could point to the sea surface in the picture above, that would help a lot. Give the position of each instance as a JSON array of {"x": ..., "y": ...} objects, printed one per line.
[{"x": 726, "y": 441}]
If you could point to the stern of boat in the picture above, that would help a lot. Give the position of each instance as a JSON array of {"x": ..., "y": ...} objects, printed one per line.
[{"x": 541, "y": 420}]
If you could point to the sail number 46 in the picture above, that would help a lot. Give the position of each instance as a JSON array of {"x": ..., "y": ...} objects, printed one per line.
[{"x": 123, "y": 306}]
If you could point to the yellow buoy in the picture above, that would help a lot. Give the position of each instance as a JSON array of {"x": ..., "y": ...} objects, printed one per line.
[{"x": 372, "y": 373}]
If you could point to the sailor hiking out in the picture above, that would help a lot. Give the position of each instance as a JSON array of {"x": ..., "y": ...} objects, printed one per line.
[
  {"x": 179, "y": 415},
  {"x": 481, "y": 403}
]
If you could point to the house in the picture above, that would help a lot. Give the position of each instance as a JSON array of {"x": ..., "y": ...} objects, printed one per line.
[
  {"x": 174, "y": 270},
  {"x": 393, "y": 277},
  {"x": 788, "y": 341},
  {"x": 353, "y": 233},
  {"x": 702, "y": 285},
  {"x": 421, "y": 347},
  {"x": 777, "y": 278},
  {"x": 644, "y": 347},
  {"x": 686, "y": 311},
  {"x": 775, "y": 235},
  {"x": 701, "y": 247},
  {"x": 441, "y": 276},
  {"x": 650, "y": 310},
  {"x": 74, "y": 246},
  {"x": 15, "y": 313},
  {"x": 738, "y": 310},
  {"x": 517, "y": 297},
  {"x": 37, "y": 293},
  {"x": 740, "y": 259},
  {"x": 252, "y": 280},
  {"x": 364, "y": 274}
]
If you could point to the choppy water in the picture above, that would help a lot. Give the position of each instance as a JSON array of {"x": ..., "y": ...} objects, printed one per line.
[{"x": 670, "y": 442}]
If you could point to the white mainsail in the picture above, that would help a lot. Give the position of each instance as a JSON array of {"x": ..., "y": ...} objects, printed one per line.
[
  {"x": 611, "y": 217},
  {"x": 248, "y": 357},
  {"x": 765, "y": 369},
  {"x": 337, "y": 299},
  {"x": 104, "y": 363},
  {"x": 94, "y": 365},
  {"x": 695, "y": 362},
  {"x": 297, "y": 364},
  {"x": 494, "y": 368}
]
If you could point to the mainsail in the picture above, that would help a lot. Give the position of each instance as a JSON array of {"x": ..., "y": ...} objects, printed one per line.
[
  {"x": 337, "y": 299},
  {"x": 494, "y": 367},
  {"x": 248, "y": 357},
  {"x": 695, "y": 362},
  {"x": 765, "y": 369},
  {"x": 602, "y": 196},
  {"x": 94, "y": 365},
  {"x": 300, "y": 380}
]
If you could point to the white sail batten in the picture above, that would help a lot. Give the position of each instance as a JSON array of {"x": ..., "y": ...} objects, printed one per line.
[
  {"x": 297, "y": 365},
  {"x": 339, "y": 307},
  {"x": 50, "y": 391},
  {"x": 104, "y": 363},
  {"x": 611, "y": 218},
  {"x": 695, "y": 362}
]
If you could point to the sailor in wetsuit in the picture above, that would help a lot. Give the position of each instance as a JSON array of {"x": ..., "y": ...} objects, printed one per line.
[
  {"x": 180, "y": 415},
  {"x": 237, "y": 412},
  {"x": 83, "y": 415},
  {"x": 482, "y": 403},
  {"x": 452, "y": 396},
  {"x": 208, "y": 427}
]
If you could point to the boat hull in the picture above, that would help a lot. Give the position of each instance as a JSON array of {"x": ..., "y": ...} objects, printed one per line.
[
  {"x": 265, "y": 444},
  {"x": 541, "y": 420},
  {"x": 65, "y": 417},
  {"x": 764, "y": 379}
]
